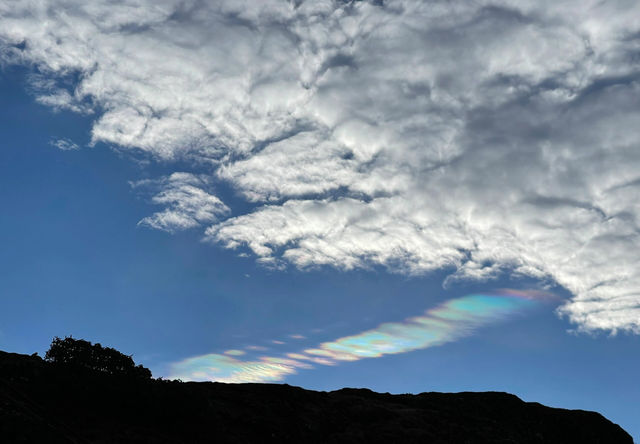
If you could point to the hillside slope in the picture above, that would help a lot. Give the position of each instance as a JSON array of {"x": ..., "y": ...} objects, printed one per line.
[{"x": 42, "y": 402}]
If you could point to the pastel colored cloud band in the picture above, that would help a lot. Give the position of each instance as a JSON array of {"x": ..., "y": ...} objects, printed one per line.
[{"x": 447, "y": 322}]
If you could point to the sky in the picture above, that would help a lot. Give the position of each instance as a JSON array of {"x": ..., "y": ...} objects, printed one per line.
[{"x": 406, "y": 196}]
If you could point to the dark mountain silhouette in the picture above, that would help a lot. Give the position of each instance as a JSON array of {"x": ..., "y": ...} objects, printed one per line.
[{"x": 46, "y": 402}]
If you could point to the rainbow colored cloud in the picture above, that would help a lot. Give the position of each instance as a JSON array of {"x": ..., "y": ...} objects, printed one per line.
[{"x": 447, "y": 322}]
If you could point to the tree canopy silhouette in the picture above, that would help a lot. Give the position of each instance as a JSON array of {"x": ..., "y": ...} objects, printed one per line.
[{"x": 81, "y": 353}]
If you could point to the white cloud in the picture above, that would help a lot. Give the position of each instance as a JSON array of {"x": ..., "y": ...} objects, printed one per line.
[
  {"x": 65, "y": 144},
  {"x": 188, "y": 204},
  {"x": 474, "y": 136}
]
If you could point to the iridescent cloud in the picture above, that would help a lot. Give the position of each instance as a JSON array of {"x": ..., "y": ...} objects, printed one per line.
[
  {"x": 234, "y": 352},
  {"x": 223, "y": 368},
  {"x": 447, "y": 322}
]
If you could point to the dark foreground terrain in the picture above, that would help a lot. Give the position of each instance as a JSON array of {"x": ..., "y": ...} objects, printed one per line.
[{"x": 48, "y": 403}]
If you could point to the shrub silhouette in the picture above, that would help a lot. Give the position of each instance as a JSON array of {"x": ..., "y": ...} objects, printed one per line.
[{"x": 81, "y": 353}]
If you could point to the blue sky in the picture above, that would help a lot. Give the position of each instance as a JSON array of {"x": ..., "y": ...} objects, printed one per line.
[{"x": 362, "y": 216}]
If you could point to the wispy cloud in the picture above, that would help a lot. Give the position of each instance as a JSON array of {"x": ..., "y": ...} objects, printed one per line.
[
  {"x": 484, "y": 137},
  {"x": 234, "y": 352},
  {"x": 65, "y": 144},
  {"x": 448, "y": 322}
]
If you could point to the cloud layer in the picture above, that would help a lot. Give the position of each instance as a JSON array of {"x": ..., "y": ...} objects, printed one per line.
[
  {"x": 479, "y": 137},
  {"x": 448, "y": 322}
]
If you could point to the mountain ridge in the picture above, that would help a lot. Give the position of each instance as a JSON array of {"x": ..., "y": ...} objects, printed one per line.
[{"x": 45, "y": 402}]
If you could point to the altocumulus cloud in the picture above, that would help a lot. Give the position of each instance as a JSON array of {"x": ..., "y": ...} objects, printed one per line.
[
  {"x": 187, "y": 202},
  {"x": 481, "y": 137}
]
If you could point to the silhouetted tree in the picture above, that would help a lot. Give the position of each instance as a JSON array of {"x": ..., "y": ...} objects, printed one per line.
[{"x": 81, "y": 353}]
